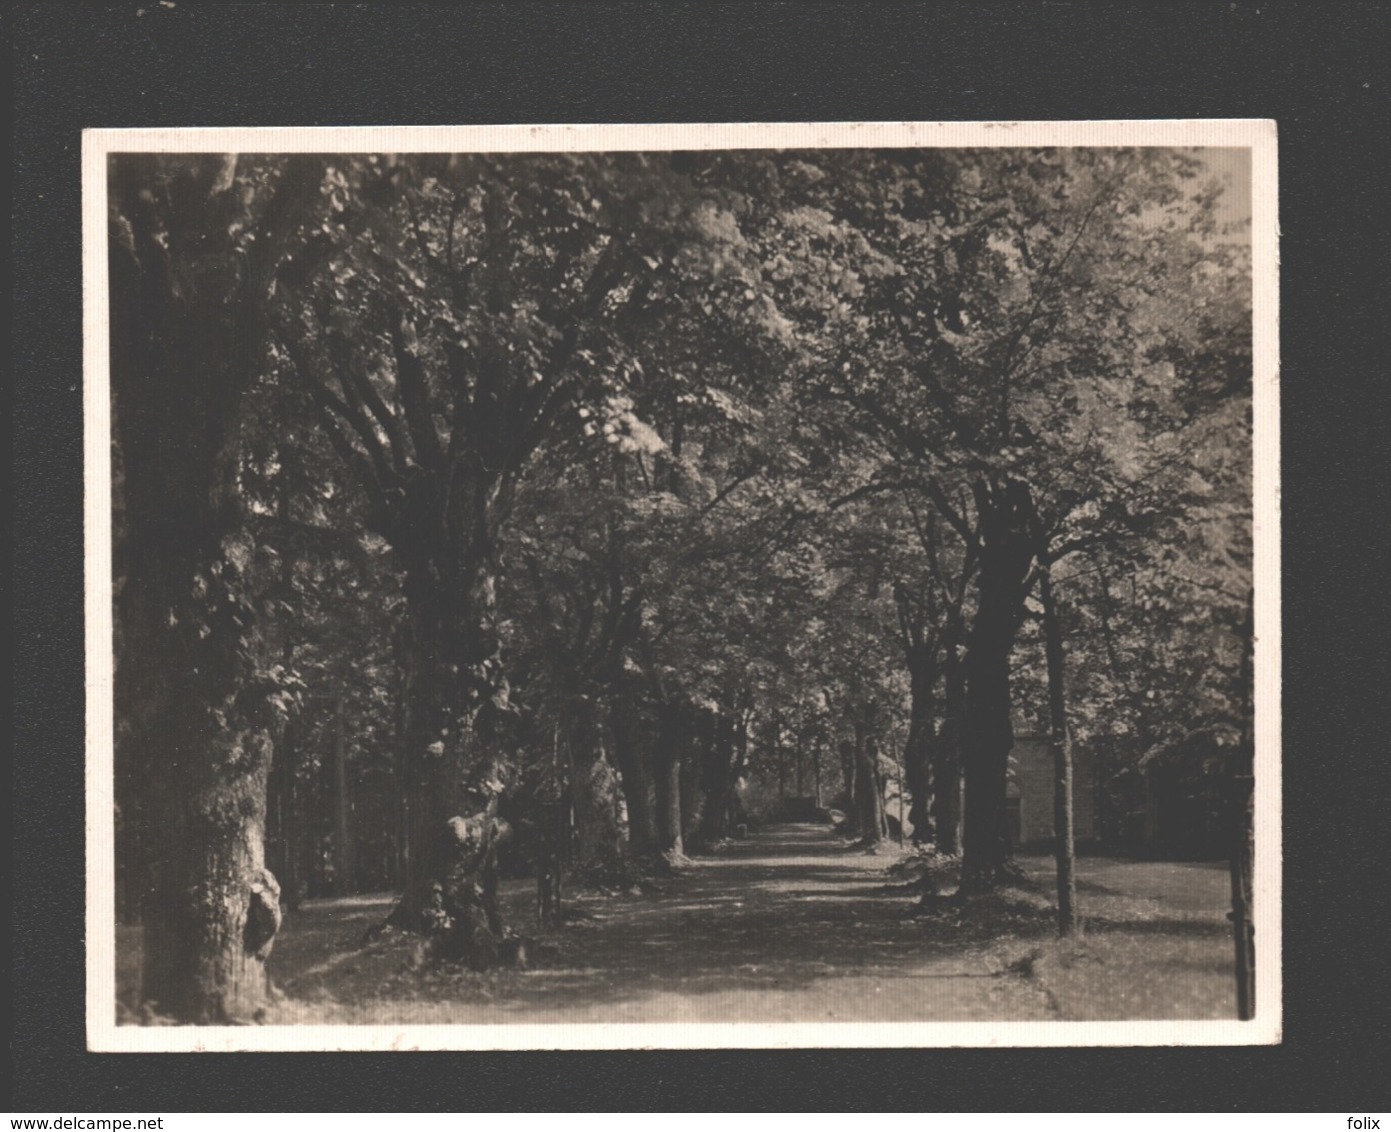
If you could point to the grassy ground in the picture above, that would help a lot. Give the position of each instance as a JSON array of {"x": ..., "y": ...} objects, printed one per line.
[
  {"x": 1155, "y": 942},
  {"x": 791, "y": 925}
]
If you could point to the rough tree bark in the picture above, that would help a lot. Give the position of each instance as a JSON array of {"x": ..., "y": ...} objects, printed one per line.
[
  {"x": 918, "y": 749},
  {"x": 600, "y": 853},
  {"x": 440, "y": 505},
  {"x": 440, "y": 474},
  {"x": 718, "y": 767},
  {"x": 215, "y": 907},
  {"x": 188, "y": 297},
  {"x": 461, "y": 917},
  {"x": 673, "y": 737},
  {"x": 639, "y": 789},
  {"x": 456, "y": 722},
  {"x": 946, "y": 751},
  {"x": 1006, "y": 520},
  {"x": 692, "y": 796},
  {"x": 918, "y": 635},
  {"x": 846, "y": 749}
]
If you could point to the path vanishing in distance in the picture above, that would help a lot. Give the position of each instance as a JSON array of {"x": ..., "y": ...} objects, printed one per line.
[
  {"x": 791, "y": 925},
  {"x": 788, "y": 925}
]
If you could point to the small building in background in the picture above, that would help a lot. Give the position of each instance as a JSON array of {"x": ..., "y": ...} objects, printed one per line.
[
  {"x": 1029, "y": 794},
  {"x": 1185, "y": 813}
]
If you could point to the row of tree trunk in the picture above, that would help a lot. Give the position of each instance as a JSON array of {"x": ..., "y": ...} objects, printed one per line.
[
  {"x": 191, "y": 321},
  {"x": 1009, "y": 556},
  {"x": 197, "y": 727}
]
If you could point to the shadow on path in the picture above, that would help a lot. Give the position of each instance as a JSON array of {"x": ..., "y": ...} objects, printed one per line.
[
  {"x": 788, "y": 925},
  {"x": 791, "y": 925}
]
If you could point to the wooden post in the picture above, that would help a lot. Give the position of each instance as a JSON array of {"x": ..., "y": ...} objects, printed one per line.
[
  {"x": 1060, "y": 742},
  {"x": 1242, "y": 796}
]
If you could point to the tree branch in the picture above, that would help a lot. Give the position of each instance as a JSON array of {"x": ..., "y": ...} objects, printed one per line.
[
  {"x": 922, "y": 369},
  {"x": 414, "y": 391},
  {"x": 358, "y": 390},
  {"x": 951, "y": 514},
  {"x": 328, "y": 405},
  {"x": 728, "y": 490}
]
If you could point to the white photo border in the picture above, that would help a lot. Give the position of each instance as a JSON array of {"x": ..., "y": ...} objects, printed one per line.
[{"x": 103, "y": 1035}]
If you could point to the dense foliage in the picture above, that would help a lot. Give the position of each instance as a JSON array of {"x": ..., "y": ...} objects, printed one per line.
[{"x": 590, "y": 506}]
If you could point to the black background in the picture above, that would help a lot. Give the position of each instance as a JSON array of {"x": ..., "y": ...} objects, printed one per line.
[{"x": 1319, "y": 69}]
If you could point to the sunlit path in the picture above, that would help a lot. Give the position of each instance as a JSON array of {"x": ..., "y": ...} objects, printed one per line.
[{"x": 790, "y": 925}]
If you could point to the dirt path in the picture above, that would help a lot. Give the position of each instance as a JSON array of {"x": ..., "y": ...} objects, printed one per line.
[{"x": 790, "y": 925}]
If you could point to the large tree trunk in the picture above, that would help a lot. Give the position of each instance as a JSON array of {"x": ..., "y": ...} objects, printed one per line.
[
  {"x": 1060, "y": 744},
  {"x": 946, "y": 751},
  {"x": 216, "y": 907},
  {"x": 846, "y": 749},
  {"x": 198, "y": 736},
  {"x": 639, "y": 789},
  {"x": 673, "y": 736},
  {"x": 1006, "y": 520},
  {"x": 600, "y": 853},
  {"x": 718, "y": 760},
  {"x": 737, "y": 814},
  {"x": 212, "y": 907},
  {"x": 988, "y": 738},
  {"x": 692, "y": 795},
  {"x": 193, "y": 729},
  {"x": 457, "y": 714},
  {"x": 917, "y": 751}
]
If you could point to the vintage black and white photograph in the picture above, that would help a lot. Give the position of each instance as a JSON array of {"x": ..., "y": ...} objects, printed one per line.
[{"x": 615, "y": 587}]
